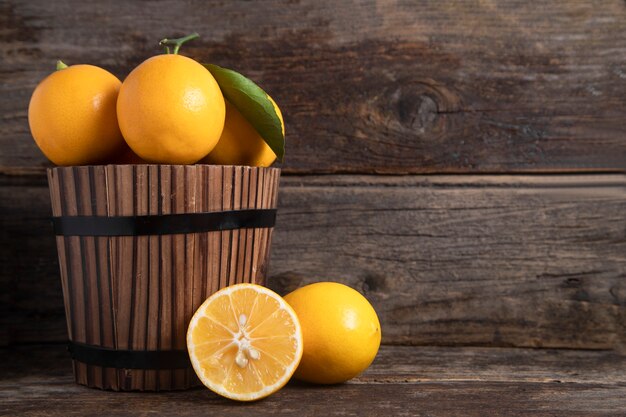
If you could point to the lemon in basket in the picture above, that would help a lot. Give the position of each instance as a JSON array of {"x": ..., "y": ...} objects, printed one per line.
[
  {"x": 240, "y": 143},
  {"x": 170, "y": 108},
  {"x": 72, "y": 115}
]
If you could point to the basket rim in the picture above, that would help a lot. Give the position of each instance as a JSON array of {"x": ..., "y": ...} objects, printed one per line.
[{"x": 188, "y": 166}]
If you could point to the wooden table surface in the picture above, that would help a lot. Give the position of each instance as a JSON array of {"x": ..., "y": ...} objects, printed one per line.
[{"x": 404, "y": 380}]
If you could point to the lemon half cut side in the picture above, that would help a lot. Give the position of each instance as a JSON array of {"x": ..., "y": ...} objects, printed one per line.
[{"x": 244, "y": 342}]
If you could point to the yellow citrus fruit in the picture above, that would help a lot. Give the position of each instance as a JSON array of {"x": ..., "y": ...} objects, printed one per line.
[
  {"x": 72, "y": 115},
  {"x": 240, "y": 143},
  {"x": 171, "y": 110},
  {"x": 341, "y": 332},
  {"x": 244, "y": 342}
]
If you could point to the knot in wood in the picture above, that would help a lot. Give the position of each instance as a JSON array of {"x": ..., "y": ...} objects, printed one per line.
[
  {"x": 418, "y": 113},
  {"x": 421, "y": 106}
]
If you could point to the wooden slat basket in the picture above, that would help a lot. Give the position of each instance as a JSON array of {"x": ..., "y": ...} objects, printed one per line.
[{"x": 140, "y": 248}]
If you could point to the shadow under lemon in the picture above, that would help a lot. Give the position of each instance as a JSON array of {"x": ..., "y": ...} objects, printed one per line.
[{"x": 127, "y": 157}]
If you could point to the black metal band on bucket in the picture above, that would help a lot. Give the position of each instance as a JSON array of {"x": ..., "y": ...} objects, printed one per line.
[
  {"x": 166, "y": 224},
  {"x": 129, "y": 359}
]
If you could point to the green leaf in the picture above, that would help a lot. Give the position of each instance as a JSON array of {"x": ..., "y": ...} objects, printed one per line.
[{"x": 254, "y": 104}]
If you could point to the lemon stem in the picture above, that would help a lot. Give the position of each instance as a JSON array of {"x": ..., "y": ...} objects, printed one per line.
[
  {"x": 61, "y": 65},
  {"x": 176, "y": 43}
]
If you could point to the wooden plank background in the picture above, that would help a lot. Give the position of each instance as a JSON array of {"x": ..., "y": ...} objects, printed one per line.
[
  {"x": 366, "y": 86},
  {"x": 534, "y": 261},
  {"x": 479, "y": 89}
]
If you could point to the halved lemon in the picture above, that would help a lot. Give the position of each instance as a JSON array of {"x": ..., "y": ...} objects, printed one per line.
[{"x": 244, "y": 342}]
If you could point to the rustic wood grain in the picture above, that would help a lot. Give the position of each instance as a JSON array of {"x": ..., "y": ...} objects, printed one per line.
[
  {"x": 537, "y": 261},
  {"x": 424, "y": 381},
  {"x": 522, "y": 261},
  {"x": 365, "y": 87}
]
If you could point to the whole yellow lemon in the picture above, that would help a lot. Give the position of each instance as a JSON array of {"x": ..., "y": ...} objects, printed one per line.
[
  {"x": 240, "y": 143},
  {"x": 72, "y": 115},
  {"x": 171, "y": 110},
  {"x": 340, "y": 330}
]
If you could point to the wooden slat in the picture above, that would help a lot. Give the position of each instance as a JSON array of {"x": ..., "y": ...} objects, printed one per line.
[
  {"x": 121, "y": 200},
  {"x": 143, "y": 290},
  {"x": 401, "y": 381},
  {"x": 165, "y": 275},
  {"x": 534, "y": 261},
  {"x": 55, "y": 204},
  {"x": 188, "y": 304},
  {"x": 105, "y": 295},
  {"x": 214, "y": 266},
  {"x": 178, "y": 279},
  {"x": 365, "y": 87},
  {"x": 90, "y": 268}
]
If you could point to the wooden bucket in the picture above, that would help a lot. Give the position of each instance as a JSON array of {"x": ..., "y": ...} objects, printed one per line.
[{"x": 140, "y": 248}]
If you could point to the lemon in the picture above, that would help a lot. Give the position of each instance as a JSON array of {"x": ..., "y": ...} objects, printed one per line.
[
  {"x": 72, "y": 115},
  {"x": 341, "y": 332},
  {"x": 240, "y": 143},
  {"x": 171, "y": 110},
  {"x": 244, "y": 342}
]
